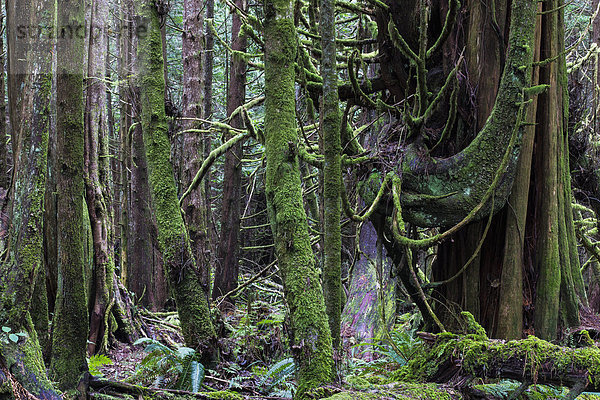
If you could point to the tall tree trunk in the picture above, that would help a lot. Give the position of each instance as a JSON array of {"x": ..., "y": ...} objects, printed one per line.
[
  {"x": 96, "y": 174},
  {"x": 549, "y": 126},
  {"x": 510, "y": 306},
  {"x": 310, "y": 336},
  {"x": 142, "y": 272},
  {"x": 332, "y": 172},
  {"x": 192, "y": 304},
  {"x": 196, "y": 216},
  {"x": 227, "y": 266},
  {"x": 20, "y": 269},
  {"x": 70, "y": 324},
  {"x": 42, "y": 64}
]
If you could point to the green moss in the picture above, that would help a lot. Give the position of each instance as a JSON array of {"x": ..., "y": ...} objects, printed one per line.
[
  {"x": 223, "y": 395},
  {"x": 24, "y": 360},
  {"x": 359, "y": 383},
  {"x": 473, "y": 326},
  {"x": 407, "y": 391}
]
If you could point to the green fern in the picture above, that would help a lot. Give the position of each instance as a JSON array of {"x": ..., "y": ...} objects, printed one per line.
[
  {"x": 96, "y": 361},
  {"x": 395, "y": 351},
  {"x": 166, "y": 367},
  {"x": 279, "y": 373}
]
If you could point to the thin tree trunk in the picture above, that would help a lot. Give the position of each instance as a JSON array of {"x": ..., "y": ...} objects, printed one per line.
[
  {"x": 227, "y": 266},
  {"x": 192, "y": 304},
  {"x": 125, "y": 100},
  {"x": 209, "y": 55},
  {"x": 310, "y": 337},
  {"x": 70, "y": 324},
  {"x": 332, "y": 172}
]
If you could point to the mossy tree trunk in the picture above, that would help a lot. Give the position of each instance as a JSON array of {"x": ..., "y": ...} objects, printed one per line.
[
  {"x": 70, "y": 323},
  {"x": 142, "y": 270},
  {"x": 310, "y": 335},
  {"x": 20, "y": 268},
  {"x": 178, "y": 259},
  {"x": 227, "y": 267},
  {"x": 332, "y": 172},
  {"x": 42, "y": 115}
]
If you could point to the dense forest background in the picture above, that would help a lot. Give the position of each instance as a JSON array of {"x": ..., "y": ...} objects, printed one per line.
[{"x": 307, "y": 199}]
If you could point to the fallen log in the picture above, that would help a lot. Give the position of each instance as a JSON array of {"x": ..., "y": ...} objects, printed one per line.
[{"x": 446, "y": 357}]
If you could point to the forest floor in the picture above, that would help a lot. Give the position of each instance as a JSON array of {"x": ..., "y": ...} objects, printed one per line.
[{"x": 254, "y": 365}]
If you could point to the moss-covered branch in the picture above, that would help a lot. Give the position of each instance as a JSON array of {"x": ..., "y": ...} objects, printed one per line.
[{"x": 213, "y": 155}]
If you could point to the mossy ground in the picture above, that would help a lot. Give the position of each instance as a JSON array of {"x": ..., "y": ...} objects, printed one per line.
[{"x": 407, "y": 391}]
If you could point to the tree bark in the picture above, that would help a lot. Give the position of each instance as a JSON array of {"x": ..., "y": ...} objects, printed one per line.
[
  {"x": 97, "y": 175},
  {"x": 4, "y": 166}
]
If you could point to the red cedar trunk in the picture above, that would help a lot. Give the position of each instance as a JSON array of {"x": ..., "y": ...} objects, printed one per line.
[{"x": 227, "y": 267}]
